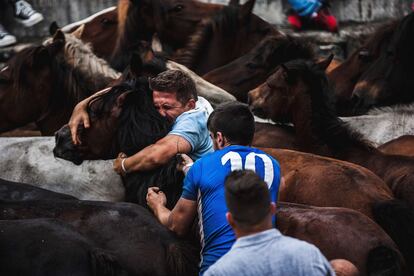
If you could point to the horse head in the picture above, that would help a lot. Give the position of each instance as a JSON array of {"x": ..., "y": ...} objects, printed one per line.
[
  {"x": 28, "y": 86},
  {"x": 389, "y": 79},
  {"x": 173, "y": 20},
  {"x": 291, "y": 84},
  {"x": 124, "y": 119}
]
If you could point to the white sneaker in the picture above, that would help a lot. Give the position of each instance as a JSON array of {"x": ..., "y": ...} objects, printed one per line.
[
  {"x": 6, "y": 39},
  {"x": 24, "y": 13}
]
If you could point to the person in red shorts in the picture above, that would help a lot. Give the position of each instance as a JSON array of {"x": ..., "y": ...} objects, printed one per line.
[{"x": 311, "y": 14}]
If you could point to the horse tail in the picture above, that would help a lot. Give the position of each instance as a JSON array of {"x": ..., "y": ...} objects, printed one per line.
[
  {"x": 397, "y": 219},
  {"x": 182, "y": 259},
  {"x": 384, "y": 261},
  {"x": 105, "y": 264}
]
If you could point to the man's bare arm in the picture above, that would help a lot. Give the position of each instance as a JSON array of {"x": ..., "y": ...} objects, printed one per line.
[
  {"x": 179, "y": 219},
  {"x": 154, "y": 155},
  {"x": 80, "y": 116}
]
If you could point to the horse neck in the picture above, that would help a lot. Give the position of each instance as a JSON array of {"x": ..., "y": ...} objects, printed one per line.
[
  {"x": 212, "y": 46},
  {"x": 68, "y": 89},
  {"x": 320, "y": 131}
]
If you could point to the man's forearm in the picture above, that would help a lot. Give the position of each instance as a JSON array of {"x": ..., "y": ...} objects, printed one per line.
[
  {"x": 147, "y": 159},
  {"x": 163, "y": 214}
]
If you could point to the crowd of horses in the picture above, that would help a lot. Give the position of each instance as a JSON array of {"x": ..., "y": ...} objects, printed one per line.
[{"x": 349, "y": 183}]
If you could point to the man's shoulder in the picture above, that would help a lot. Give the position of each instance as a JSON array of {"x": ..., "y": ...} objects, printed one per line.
[{"x": 227, "y": 264}]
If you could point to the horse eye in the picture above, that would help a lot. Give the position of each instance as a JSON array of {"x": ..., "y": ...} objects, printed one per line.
[
  {"x": 364, "y": 55},
  {"x": 178, "y": 8},
  {"x": 106, "y": 21}
]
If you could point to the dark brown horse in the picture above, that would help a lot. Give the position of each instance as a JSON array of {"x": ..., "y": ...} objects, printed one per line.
[
  {"x": 389, "y": 80},
  {"x": 173, "y": 21},
  {"x": 298, "y": 92},
  {"x": 248, "y": 71},
  {"x": 130, "y": 232},
  {"x": 41, "y": 85},
  {"x": 342, "y": 233},
  {"x": 228, "y": 34},
  {"x": 346, "y": 75}
]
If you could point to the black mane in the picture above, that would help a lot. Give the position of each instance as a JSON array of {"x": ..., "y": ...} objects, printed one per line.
[
  {"x": 325, "y": 124},
  {"x": 277, "y": 49}
]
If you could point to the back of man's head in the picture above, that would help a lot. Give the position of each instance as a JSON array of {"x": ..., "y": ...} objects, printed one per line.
[
  {"x": 235, "y": 121},
  {"x": 171, "y": 81},
  {"x": 247, "y": 198}
]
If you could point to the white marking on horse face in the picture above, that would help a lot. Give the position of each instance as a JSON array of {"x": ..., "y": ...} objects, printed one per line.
[{"x": 4, "y": 69}]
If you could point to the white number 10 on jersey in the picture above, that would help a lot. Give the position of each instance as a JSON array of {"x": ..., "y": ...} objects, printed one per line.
[{"x": 236, "y": 163}]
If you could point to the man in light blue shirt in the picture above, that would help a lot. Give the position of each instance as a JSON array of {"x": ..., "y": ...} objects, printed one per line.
[{"x": 260, "y": 248}]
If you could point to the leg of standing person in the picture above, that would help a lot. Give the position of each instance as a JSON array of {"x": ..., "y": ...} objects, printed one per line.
[
  {"x": 24, "y": 13},
  {"x": 6, "y": 39}
]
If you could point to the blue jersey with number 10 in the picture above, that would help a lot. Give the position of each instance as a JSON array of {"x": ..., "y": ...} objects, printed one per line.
[{"x": 204, "y": 183}]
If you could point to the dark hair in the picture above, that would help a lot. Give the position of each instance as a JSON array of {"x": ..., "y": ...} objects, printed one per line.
[
  {"x": 247, "y": 198},
  {"x": 235, "y": 121},
  {"x": 171, "y": 81}
]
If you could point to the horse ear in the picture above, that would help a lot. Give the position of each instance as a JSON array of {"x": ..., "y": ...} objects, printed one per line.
[
  {"x": 234, "y": 3},
  {"x": 58, "y": 43},
  {"x": 121, "y": 99},
  {"x": 53, "y": 28},
  {"x": 322, "y": 65},
  {"x": 246, "y": 10},
  {"x": 135, "y": 65},
  {"x": 59, "y": 35},
  {"x": 79, "y": 31},
  {"x": 288, "y": 74}
]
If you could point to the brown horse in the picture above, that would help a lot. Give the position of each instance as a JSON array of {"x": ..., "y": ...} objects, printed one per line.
[
  {"x": 228, "y": 34},
  {"x": 342, "y": 233},
  {"x": 389, "y": 80},
  {"x": 173, "y": 21},
  {"x": 100, "y": 31},
  {"x": 403, "y": 145},
  {"x": 345, "y": 76},
  {"x": 252, "y": 69},
  {"x": 298, "y": 92},
  {"x": 320, "y": 181},
  {"x": 45, "y": 85}
]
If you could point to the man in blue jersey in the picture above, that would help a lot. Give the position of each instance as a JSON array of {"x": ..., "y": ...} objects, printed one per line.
[{"x": 231, "y": 127}]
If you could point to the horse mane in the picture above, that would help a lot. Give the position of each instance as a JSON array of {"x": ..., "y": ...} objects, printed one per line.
[
  {"x": 402, "y": 41},
  {"x": 326, "y": 125},
  {"x": 68, "y": 83},
  {"x": 279, "y": 48},
  {"x": 381, "y": 36},
  {"x": 226, "y": 21},
  {"x": 141, "y": 125},
  {"x": 80, "y": 55}
]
